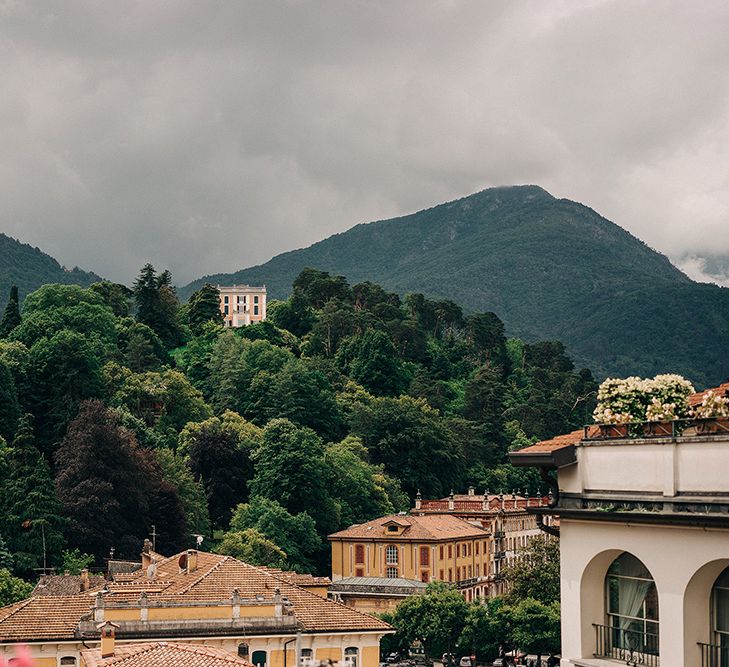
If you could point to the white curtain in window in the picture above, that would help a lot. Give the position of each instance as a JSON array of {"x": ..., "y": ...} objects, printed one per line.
[{"x": 631, "y": 596}]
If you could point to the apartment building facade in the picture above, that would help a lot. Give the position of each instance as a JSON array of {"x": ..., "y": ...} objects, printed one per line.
[{"x": 506, "y": 519}]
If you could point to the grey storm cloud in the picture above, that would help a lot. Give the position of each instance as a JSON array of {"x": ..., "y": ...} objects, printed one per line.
[{"x": 209, "y": 136}]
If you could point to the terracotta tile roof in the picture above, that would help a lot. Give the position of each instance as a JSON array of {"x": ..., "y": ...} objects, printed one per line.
[
  {"x": 44, "y": 617},
  {"x": 425, "y": 527},
  {"x": 554, "y": 443},
  {"x": 214, "y": 579},
  {"x": 721, "y": 390},
  {"x": 163, "y": 654},
  {"x": 66, "y": 584},
  {"x": 298, "y": 578}
]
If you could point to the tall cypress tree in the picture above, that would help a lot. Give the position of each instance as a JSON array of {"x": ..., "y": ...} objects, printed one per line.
[
  {"x": 30, "y": 514},
  {"x": 9, "y": 406},
  {"x": 11, "y": 315}
]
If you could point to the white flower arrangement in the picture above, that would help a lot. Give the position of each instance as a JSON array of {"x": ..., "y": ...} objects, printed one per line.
[
  {"x": 634, "y": 399},
  {"x": 712, "y": 405}
]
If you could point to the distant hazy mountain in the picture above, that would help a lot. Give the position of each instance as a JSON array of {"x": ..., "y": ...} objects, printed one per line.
[
  {"x": 550, "y": 268},
  {"x": 29, "y": 268}
]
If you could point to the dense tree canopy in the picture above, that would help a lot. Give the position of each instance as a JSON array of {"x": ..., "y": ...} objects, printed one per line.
[{"x": 267, "y": 438}]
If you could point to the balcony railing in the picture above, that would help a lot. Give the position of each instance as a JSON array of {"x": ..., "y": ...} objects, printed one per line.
[
  {"x": 713, "y": 655},
  {"x": 631, "y": 647},
  {"x": 667, "y": 429}
]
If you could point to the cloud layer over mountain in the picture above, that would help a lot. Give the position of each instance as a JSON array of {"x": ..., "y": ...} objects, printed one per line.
[{"x": 209, "y": 136}]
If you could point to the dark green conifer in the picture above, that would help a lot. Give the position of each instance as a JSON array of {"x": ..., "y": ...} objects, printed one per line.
[{"x": 11, "y": 315}]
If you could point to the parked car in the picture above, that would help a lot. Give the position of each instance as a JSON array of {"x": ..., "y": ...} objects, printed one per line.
[{"x": 392, "y": 658}]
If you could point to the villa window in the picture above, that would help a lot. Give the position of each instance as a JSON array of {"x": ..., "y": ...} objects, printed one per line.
[
  {"x": 259, "y": 658},
  {"x": 359, "y": 553},
  {"x": 351, "y": 655},
  {"x": 391, "y": 555},
  {"x": 425, "y": 556},
  {"x": 391, "y": 573},
  {"x": 307, "y": 656},
  {"x": 632, "y": 610},
  {"x": 68, "y": 660},
  {"x": 720, "y": 617}
]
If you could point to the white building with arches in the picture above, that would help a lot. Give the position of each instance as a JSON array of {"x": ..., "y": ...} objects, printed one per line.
[{"x": 644, "y": 535}]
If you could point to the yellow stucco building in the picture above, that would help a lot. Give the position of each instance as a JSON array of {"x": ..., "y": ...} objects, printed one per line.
[
  {"x": 197, "y": 598},
  {"x": 423, "y": 548}
]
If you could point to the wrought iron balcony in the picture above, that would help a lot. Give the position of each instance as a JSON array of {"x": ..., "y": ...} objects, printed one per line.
[
  {"x": 631, "y": 647},
  {"x": 713, "y": 655}
]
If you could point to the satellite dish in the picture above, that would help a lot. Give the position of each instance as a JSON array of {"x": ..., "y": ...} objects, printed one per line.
[{"x": 182, "y": 561}]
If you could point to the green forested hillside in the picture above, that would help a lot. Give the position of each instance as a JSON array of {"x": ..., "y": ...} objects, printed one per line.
[
  {"x": 264, "y": 439},
  {"x": 29, "y": 268},
  {"x": 550, "y": 268}
]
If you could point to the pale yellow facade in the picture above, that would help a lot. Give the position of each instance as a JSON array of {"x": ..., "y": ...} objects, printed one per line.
[{"x": 391, "y": 552}]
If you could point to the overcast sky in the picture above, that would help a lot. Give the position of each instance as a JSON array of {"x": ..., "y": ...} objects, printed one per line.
[{"x": 208, "y": 136}]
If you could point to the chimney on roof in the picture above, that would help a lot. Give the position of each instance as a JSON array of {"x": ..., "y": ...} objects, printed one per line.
[
  {"x": 146, "y": 554},
  {"x": 418, "y": 500},
  {"x": 471, "y": 491},
  {"x": 485, "y": 501},
  {"x": 85, "y": 583},
  {"x": 451, "y": 502},
  {"x": 108, "y": 638},
  {"x": 501, "y": 501},
  {"x": 191, "y": 560}
]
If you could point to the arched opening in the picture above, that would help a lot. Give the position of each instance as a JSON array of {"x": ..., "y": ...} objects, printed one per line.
[
  {"x": 716, "y": 654},
  {"x": 704, "y": 613},
  {"x": 351, "y": 656},
  {"x": 259, "y": 658},
  {"x": 631, "y": 628}
]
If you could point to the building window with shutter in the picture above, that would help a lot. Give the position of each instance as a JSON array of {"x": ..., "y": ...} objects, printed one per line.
[
  {"x": 424, "y": 557},
  {"x": 359, "y": 554}
]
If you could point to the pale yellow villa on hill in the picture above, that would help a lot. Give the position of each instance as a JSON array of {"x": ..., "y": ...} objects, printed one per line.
[{"x": 199, "y": 599}]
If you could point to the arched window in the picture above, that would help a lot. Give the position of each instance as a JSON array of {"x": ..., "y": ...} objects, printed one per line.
[
  {"x": 259, "y": 658},
  {"x": 351, "y": 655},
  {"x": 307, "y": 655},
  {"x": 68, "y": 660},
  {"x": 720, "y": 615},
  {"x": 632, "y": 609},
  {"x": 243, "y": 650}
]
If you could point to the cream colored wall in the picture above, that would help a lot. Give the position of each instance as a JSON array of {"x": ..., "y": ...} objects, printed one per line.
[
  {"x": 664, "y": 466},
  {"x": 684, "y": 563}
]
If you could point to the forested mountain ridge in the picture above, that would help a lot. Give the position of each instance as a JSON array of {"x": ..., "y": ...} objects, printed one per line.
[
  {"x": 29, "y": 268},
  {"x": 550, "y": 268}
]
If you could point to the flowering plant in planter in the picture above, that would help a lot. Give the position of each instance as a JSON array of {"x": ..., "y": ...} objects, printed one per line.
[
  {"x": 621, "y": 401},
  {"x": 712, "y": 405},
  {"x": 634, "y": 399}
]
